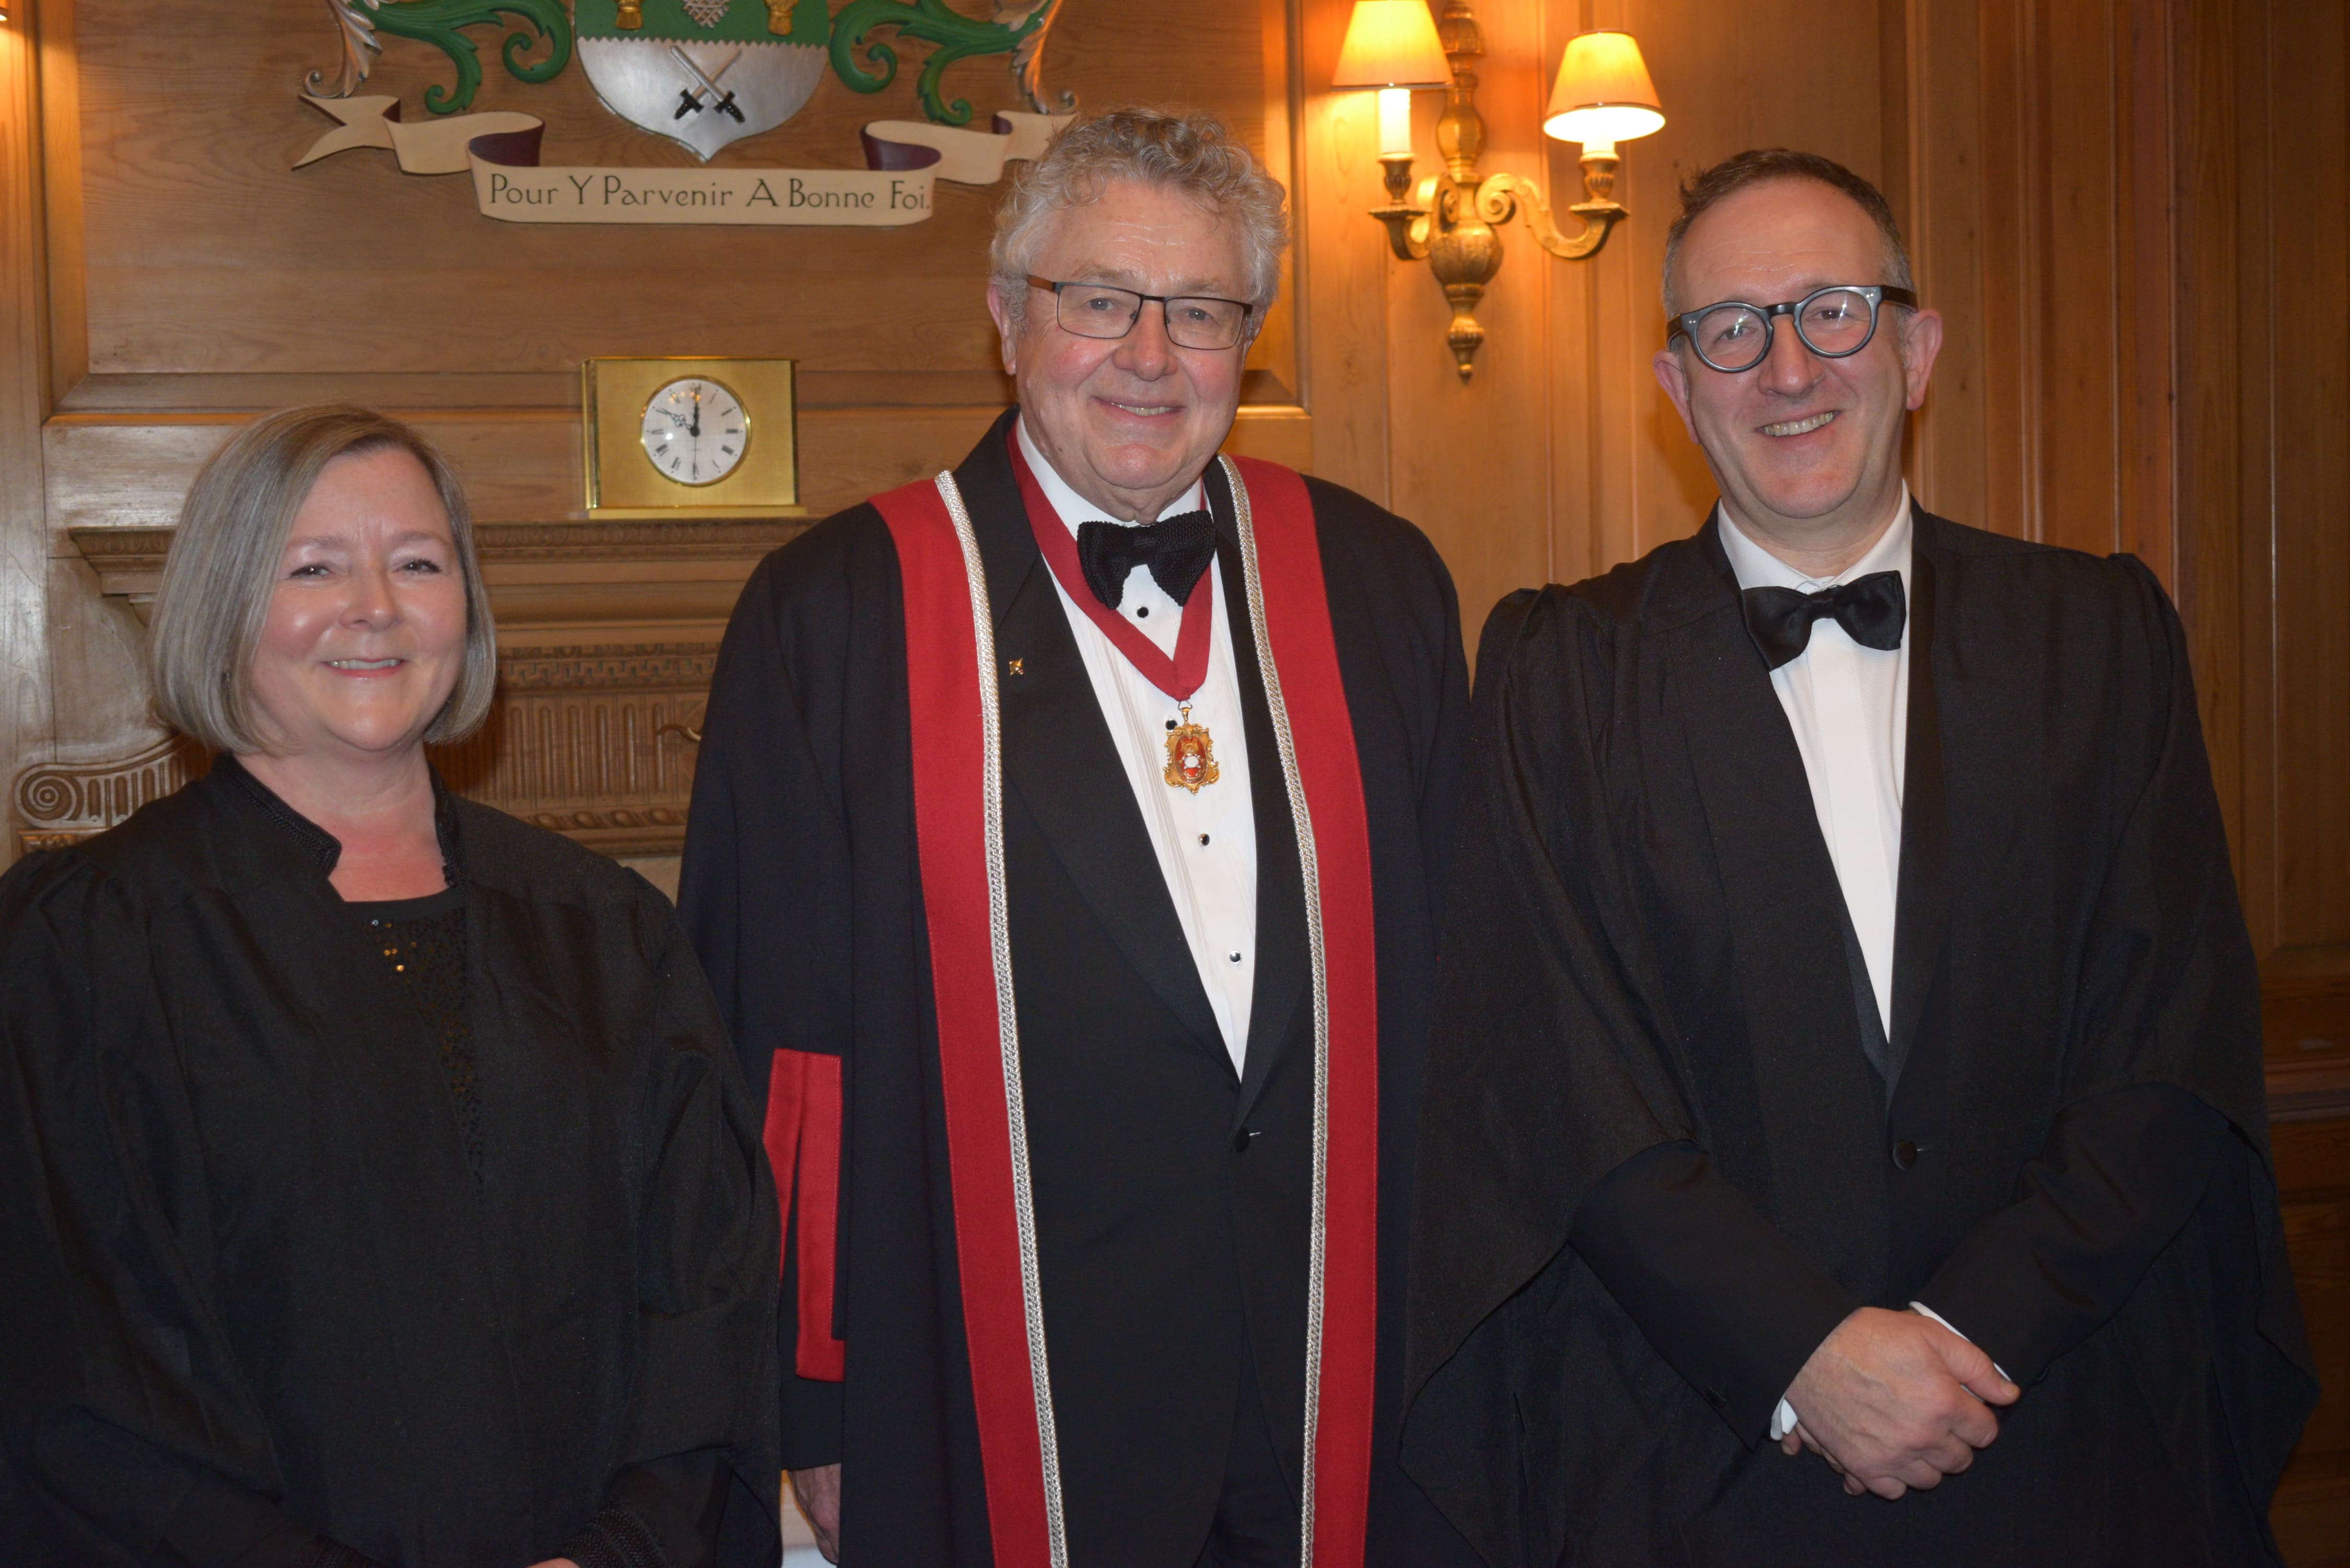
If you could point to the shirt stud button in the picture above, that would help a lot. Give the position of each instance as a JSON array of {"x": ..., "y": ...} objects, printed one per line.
[
  {"x": 1234, "y": 957},
  {"x": 1141, "y": 609},
  {"x": 1171, "y": 723},
  {"x": 1203, "y": 839}
]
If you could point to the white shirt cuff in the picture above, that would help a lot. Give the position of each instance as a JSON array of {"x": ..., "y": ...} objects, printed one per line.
[{"x": 1924, "y": 1311}]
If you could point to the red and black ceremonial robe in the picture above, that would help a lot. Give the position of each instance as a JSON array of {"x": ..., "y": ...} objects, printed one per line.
[
  {"x": 958, "y": 773},
  {"x": 845, "y": 882}
]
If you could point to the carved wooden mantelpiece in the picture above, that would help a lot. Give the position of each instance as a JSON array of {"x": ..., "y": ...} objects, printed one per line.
[{"x": 607, "y": 633}]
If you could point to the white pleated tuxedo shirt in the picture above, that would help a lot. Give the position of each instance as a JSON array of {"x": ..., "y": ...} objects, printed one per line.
[{"x": 1206, "y": 843}]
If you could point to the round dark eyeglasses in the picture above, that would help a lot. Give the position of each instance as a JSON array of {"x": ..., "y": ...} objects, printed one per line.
[
  {"x": 1834, "y": 323},
  {"x": 1194, "y": 321}
]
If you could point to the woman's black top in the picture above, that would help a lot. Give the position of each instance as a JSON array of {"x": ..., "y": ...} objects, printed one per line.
[
  {"x": 422, "y": 941},
  {"x": 430, "y": 1233}
]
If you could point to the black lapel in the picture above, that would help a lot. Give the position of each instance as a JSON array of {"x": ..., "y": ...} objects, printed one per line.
[
  {"x": 1818, "y": 1093},
  {"x": 1007, "y": 549},
  {"x": 1057, "y": 752},
  {"x": 1922, "y": 903},
  {"x": 1282, "y": 963}
]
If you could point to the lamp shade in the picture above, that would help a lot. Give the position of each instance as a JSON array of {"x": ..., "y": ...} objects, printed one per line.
[
  {"x": 1391, "y": 44},
  {"x": 1603, "y": 95}
]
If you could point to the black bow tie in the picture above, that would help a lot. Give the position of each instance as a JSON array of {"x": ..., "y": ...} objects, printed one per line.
[
  {"x": 1177, "y": 550},
  {"x": 1871, "y": 610}
]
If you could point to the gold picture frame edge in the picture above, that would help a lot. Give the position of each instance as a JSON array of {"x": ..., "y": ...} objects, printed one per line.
[{"x": 760, "y": 371}]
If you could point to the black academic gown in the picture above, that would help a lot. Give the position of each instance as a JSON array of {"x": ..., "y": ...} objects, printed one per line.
[
  {"x": 1661, "y": 1164},
  {"x": 253, "y": 1298},
  {"x": 1170, "y": 1258}
]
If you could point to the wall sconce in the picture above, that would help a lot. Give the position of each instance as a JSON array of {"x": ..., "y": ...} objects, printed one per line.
[
  {"x": 1391, "y": 45},
  {"x": 1602, "y": 96}
]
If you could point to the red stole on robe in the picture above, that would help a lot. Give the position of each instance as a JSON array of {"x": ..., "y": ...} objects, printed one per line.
[{"x": 952, "y": 673}]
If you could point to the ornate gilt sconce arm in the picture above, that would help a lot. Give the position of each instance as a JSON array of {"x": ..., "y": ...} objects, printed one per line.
[
  {"x": 1407, "y": 221},
  {"x": 1502, "y": 195}
]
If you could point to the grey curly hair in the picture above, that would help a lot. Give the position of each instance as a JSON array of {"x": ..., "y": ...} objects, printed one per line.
[{"x": 1192, "y": 153}]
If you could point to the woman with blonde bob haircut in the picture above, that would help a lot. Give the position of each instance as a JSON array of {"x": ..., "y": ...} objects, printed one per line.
[{"x": 380, "y": 1186}]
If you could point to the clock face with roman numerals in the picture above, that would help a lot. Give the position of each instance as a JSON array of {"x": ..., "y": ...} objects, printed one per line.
[{"x": 695, "y": 431}]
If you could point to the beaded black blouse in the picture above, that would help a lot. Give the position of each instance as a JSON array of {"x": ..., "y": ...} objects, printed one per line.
[{"x": 422, "y": 941}]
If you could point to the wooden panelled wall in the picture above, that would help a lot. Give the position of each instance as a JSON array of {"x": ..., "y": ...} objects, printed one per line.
[
  {"x": 2261, "y": 325},
  {"x": 2130, "y": 212}
]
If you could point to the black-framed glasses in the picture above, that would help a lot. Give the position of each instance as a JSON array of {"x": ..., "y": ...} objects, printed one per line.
[
  {"x": 1194, "y": 321},
  {"x": 1834, "y": 323}
]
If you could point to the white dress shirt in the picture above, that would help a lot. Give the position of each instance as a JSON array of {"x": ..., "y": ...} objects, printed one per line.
[{"x": 1206, "y": 843}]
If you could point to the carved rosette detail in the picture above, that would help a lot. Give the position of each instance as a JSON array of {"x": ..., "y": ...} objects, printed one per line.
[{"x": 58, "y": 802}]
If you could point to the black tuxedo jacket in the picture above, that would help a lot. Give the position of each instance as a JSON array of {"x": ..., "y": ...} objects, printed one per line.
[
  {"x": 1660, "y": 1166},
  {"x": 1172, "y": 1194}
]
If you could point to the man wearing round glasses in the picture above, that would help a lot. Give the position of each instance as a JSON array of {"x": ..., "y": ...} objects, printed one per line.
[
  {"x": 1064, "y": 853},
  {"x": 1845, "y": 1139}
]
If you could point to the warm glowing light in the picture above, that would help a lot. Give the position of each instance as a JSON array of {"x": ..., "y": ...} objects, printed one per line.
[
  {"x": 1395, "y": 122},
  {"x": 1391, "y": 44},
  {"x": 1604, "y": 95}
]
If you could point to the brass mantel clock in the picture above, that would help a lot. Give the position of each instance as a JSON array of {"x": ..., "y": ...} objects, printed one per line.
[{"x": 673, "y": 437}]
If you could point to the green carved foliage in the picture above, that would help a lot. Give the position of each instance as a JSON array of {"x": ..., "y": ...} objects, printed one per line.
[
  {"x": 441, "y": 23},
  {"x": 959, "y": 38}
]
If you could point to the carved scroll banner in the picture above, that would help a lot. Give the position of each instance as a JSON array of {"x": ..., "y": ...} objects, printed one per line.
[{"x": 501, "y": 151}]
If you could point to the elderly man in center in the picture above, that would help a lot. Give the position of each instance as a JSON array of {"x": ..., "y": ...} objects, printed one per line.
[{"x": 1065, "y": 852}]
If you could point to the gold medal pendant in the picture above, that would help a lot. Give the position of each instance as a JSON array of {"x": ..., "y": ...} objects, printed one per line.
[{"x": 1190, "y": 755}]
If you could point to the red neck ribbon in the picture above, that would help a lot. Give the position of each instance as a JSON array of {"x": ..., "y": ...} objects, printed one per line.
[{"x": 1177, "y": 676}]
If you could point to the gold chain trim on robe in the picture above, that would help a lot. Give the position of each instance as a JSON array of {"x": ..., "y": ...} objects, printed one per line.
[
  {"x": 1309, "y": 872},
  {"x": 1007, "y": 1019}
]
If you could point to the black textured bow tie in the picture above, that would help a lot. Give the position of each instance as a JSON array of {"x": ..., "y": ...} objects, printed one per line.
[
  {"x": 1177, "y": 550},
  {"x": 1871, "y": 610}
]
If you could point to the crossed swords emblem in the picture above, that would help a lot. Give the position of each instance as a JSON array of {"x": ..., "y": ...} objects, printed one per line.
[{"x": 689, "y": 99}]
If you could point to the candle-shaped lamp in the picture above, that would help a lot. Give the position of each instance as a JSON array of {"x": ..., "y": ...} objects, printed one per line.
[{"x": 1391, "y": 45}]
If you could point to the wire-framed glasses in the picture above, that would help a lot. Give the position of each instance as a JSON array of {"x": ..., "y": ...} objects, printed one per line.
[
  {"x": 1194, "y": 321},
  {"x": 1834, "y": 323}
]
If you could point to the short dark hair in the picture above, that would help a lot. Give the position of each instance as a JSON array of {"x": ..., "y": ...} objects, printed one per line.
[{"x": 1759, "y": 166}]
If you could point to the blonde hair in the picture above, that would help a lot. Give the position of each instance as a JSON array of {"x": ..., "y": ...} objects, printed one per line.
[
  {"x": 222, "y": 566},
  {"x": 1191, "y": 153}
]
